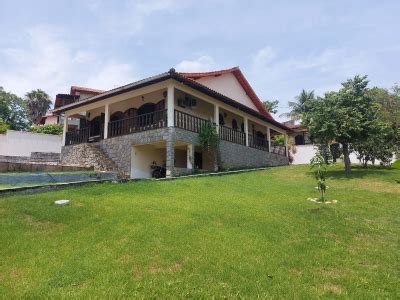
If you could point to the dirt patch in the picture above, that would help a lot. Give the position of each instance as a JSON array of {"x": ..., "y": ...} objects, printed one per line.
[
  {"x": 43, "y": 225},
  {"x": 331, "y": 273},
  {"x": 334, "y": 288},
  {"x": 175, "y": 267},
  {"x": 137, "y": 273}
]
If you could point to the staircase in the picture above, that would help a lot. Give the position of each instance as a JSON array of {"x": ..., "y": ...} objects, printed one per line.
[{"x": 100, "y": 161}]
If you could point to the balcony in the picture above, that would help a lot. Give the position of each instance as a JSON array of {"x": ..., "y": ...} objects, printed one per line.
[{"x": 158, "y": 119}]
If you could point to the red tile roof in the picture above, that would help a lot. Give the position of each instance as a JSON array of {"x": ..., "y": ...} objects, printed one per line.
[
  {"x": 240, "y": 78},
  {"x": 75, "y": 89}
]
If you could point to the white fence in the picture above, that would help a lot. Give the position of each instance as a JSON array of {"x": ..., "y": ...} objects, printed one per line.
[{"x": 19, "y": 143}]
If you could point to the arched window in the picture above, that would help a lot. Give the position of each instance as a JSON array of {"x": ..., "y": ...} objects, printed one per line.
[
  {"x": 146, "y": 108},
  {"x": 221, "y": 119},
  {"x": 234, "y": 124},
  {"x": 118, "y": 115}
]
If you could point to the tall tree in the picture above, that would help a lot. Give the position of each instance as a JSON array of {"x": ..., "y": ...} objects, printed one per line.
[
  {"x": 299, "y": 107},
  {"x": 13, "y": 110},
  {"x": 271, "y": 105},
  {"x": 38, "y": 103},
  {"x": 347, "y": 116}
]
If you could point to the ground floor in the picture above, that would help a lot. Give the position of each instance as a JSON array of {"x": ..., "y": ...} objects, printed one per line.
[{"x": 166, "y": 151}]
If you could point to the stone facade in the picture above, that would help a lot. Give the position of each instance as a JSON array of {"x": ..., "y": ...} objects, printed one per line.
[
  {"x": 118, "y": 151},
  {"x": 235, "y": 156}
]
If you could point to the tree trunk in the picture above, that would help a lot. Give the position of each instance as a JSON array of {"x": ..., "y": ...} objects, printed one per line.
[{"x": 346, "y": 156}]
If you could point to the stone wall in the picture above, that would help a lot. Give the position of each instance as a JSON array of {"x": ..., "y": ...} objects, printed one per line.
[
  {"x": 45, "y": 157},
  {"x": 235, "y": 156},
  {"x": 119, "y": 149}
]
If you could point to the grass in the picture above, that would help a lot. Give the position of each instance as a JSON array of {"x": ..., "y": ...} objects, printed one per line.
[{"x": 248, "y": 235}]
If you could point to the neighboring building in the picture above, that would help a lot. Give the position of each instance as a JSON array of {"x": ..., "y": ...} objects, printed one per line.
[
  {"x": 299, "y": 134},
  {"x": 77, "y": 93},
  {"x": 158, "y": 119}
]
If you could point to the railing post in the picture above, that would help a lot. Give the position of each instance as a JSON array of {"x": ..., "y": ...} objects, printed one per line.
[{"x": 170, "y": 106}]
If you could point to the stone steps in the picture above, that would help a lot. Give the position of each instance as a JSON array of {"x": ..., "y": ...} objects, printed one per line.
[{"x": 90, "y": 154}]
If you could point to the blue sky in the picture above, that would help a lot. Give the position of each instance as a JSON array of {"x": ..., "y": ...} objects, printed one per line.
[{"x": 281, "y": 46}]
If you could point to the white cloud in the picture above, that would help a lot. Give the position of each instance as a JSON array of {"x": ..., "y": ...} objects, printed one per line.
[
  {"x": 46, "y": 61},
  {"x": 128, "y": 17},
  {"x": 201, "y": 64},
  {"x": 112, "y": 75},
  {"x": 276, "y": 76},
  {"x": 264, "y": 56}
]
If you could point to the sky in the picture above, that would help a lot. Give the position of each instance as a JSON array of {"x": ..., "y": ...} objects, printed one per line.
[{"x": 281, "y": 46}]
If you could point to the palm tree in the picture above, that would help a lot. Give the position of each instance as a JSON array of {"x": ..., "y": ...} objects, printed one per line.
[
  {"x": 299, "y": 107},
  {"x": 38, "y": 103}
]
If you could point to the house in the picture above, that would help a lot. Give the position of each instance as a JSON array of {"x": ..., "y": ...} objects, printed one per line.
[
  {"x": 77, "y": 93},
  {"x": 157, "y": 120}
]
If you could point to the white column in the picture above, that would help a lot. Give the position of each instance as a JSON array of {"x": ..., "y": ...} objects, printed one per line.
[
  {"x": 286, "y": 145},
  {"x": 65, "y": 128},
  {"x": 106, "y": 120},
  {"x": 246, "y": 130},
  {"x": 269, "y": 138},
  {"x": 190, "y": 156},
  {"x": 170, "y": 106},
  {"x": 216, "y": 114}
]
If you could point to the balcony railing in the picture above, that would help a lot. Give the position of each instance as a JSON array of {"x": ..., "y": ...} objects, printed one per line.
[
  {"x": 78, "y": 136},
  {"x": 154, "y": 120},
  {"x": 189, "y": 122},
  {"x": 231, "y": 135},
  {"x": 257, "y": 142}
]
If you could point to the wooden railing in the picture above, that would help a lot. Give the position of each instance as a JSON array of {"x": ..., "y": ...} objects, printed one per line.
[
  {"x": 154, "y": 120},
  {"x": 78, "y": 136},
  {"x": 260, "y": 143},
  {"x": 231, "y": 135},
  {"x": 188, "y": 122}
]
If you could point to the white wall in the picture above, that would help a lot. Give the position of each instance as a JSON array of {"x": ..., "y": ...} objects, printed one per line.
[
  {"x": 228, "y": 85},
  {"x": 306, "y": 152},
  {"x": 142, "y": 158},
  {"x": 19, "y": 143}
]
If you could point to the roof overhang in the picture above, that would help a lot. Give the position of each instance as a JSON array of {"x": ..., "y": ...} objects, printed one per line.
[{"x": 172, "y": 74}]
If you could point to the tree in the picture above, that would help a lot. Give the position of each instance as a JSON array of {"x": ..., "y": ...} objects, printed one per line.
[
  {"x": 13, "y": 110},
  {"x": 347, "y": 116},
  {"x": 38, "y": 103},
  {"x": 300, "y": 106},
  {"x": 271, "y": 105},
  {"x": 387, "y": 140},
  {"x": 318, "y": 165}
]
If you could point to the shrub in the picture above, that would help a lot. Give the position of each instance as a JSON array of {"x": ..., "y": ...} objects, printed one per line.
[
  {"x": 396, "y": 164},
  {"x": 55, "y": 129},
  {"x": 3, "y": 126}
]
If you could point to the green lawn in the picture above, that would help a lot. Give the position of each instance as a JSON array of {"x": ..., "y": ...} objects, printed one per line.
[{"x": 246, "y": 235}]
